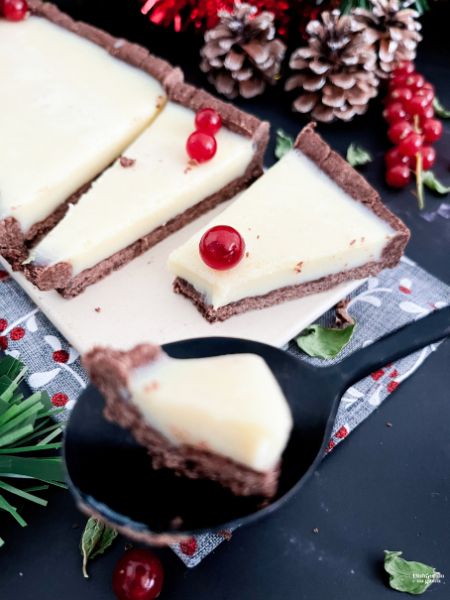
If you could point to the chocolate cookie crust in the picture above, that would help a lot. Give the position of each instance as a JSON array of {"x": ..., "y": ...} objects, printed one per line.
[
  {"x": 59, "y": 276},
  {"x": 14, "y": 243},
  {"x": 109, "y": 370},
  {"x": 354, "y": 184}
]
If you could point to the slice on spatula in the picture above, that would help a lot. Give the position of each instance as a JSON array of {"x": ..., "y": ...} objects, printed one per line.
[{"x": 222, "y": 418}]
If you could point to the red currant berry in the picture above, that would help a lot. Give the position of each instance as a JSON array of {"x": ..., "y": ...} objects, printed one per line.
[
  {"x": 201, "y": 146},
  {"x": 417, "y": 105},
  {"x": 411, "y": 144},
  {"x": 15, "y": 10},
  {"x": 415, "y": 81},
  {"x": 397, "y": 81},
  {"x": 428, "y": 114},
  {"x": 393, "y": 158},
  {"x": 208, "y": 120},
  {"x": 404, "y": 68},
  {"x": 403, "y": 94},
  {"x": 138, "y": 575},
  {"x": 398, "y": 176},
  {"x": 428, "y": 158},
  {"x": 432, "y": 130},
  {"x": 398, "y": 131},
  {"x": 426, "y": 93},
  {"x": 394, "y": 112},
  {"x": 221, "y": 247}
]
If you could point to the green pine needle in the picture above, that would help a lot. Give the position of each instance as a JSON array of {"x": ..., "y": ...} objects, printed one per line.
[{"x": 27, "y": 426}]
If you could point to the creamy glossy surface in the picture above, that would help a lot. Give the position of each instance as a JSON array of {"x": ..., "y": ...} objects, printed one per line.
[
  {"x": 124, "y": 204},
  {"x": 298, "y": 225},
  {"x": 67, "y": 109},
  {"x": 231, "y": 405}
]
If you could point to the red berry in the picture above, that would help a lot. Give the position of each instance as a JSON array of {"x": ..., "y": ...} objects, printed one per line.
[
  {"x": 426, "y": 93},
  {"x": 415, "y": 81},
  {"x": 138, "y": 575},
  {"x": 393, "y": 157},
  {"x": 17, "y": 333},
  {"x": 397, "y": 81},
  {"x": 394, "y": 112},
  {"x": 417, "y": 105},
  {"x": 411, "y": 144},
  {"x": 208, "y": 120},
  {"x": 428, "y": 158},
  {"x": 428, "y": 114},
  {"x": 15, "y": 10},
  {"x": 398, "y": 176},
  {"x": 59, "y": 399},
  {"x": 398, "y": 131},
  {"x": 221, "y": 247},
  {"x": 432, "y": 130},
  {"x": 189, "y": 547},
  {"x": 401, "y": 93},
  {"x": 60, "y": 356},
  {"x": 201, "y": 146},
  {"x": 404, "y": 68}
]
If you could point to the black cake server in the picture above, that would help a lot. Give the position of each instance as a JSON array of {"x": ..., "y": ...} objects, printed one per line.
[{"x": 111, "y": 476}]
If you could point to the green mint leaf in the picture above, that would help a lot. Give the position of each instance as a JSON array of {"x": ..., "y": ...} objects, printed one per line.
[
  {"x": 440, "y": 110},
  {"x": 408, "y": 575},
  {"x": 324, "y": 342},
  {"x": 96, "y": 538},
  {"x": 284, "y": 143},
  {"x": 430, "y": 180},
  {"x": 358, "y": 156}
]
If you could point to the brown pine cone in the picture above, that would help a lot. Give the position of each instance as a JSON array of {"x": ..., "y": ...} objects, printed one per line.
[
  {"x": 394, "y": 29},
  {"x": 241, "y": 54},
  {"x": 336, "y": 75}
]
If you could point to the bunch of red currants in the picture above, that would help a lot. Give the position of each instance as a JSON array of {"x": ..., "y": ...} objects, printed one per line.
[{"x": 412, "y": 126}]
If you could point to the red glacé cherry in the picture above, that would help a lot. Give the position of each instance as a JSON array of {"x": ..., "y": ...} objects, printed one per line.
[
  {"x": 138, "y": 575},
  {"x": 14, "y": 10},
  {"x": 208, "y": 120},
  {"x": 221, "y": 247},
  {"x": 201, "y": 146}
]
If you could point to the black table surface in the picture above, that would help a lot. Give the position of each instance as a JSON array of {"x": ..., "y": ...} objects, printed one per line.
[{"x": 384, "y": 488}]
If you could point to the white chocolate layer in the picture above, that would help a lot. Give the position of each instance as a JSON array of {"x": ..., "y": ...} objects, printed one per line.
[
  {"x": 124, "y": 204},
  {"x": 298, "y": 226},
  {"x": 230, "y": 405},
  {"x": 67, "y": 110}
]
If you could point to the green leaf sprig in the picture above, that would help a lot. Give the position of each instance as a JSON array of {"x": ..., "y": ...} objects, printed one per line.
[
  {"x": 358, "y": 156},
  {"x": 324, "y": 342},
  {"x": 284, "y": 143},
  {"x": 440, "y": 110},
  {"x": 432, "y": 182},
  {"x": 408, "y": 575},
  {"x": 96, "y": 539},
  {"x": 29, "y": 439}
]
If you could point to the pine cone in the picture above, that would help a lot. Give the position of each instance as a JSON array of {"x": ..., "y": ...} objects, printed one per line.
[
  {"x": 337, "y": 69},
  {"x": 241, "y": 54},
  {"x": 394, "y": 29}
]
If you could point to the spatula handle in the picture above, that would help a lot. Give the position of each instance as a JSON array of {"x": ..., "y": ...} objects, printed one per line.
[{"x": 395, "y": 345}]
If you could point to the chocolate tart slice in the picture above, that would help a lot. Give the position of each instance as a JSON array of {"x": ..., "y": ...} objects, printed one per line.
[
  {"x": 150, "y": 192},
  {"x": 309, "y": 223},
  {"x": 73, "y": 98},
  {"x": 223, "y": 418}
]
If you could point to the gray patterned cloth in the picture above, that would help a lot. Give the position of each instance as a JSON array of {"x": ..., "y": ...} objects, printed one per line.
[{"x": 382, "y": 304}]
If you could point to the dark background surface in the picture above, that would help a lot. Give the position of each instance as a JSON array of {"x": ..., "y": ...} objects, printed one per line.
[{"x": 386, "y": 487}]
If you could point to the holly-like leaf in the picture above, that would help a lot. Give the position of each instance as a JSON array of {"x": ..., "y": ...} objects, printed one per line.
[
  {"x": 358, "y": 156},
  {"x": 324, "y": 342},
  {"x": 408, "y": 575},
  {"x": 430, "y": 180},
  {"x": 97, "y": 537},
  {"x": 284, "y": 143},
  {"x": 440, "y": 110}
]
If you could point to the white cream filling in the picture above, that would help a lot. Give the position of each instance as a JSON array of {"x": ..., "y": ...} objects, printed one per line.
[
  {"x": 230, "y": 405},
  {"x": 125, "y": 204},
  {"x": 298, "y": 225},
  {"x": 67, "y": 109}
]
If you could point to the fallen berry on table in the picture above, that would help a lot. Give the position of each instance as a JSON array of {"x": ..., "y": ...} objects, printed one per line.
[
  {"x": 189, "y": 547},
  {"x": 60, "y": 356},
  {"x": 59, "y": 399},
  {"x": 138, "y": 575},
  {"x": 15, "y": 10},
  {"x": 17, "y": 333}
]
